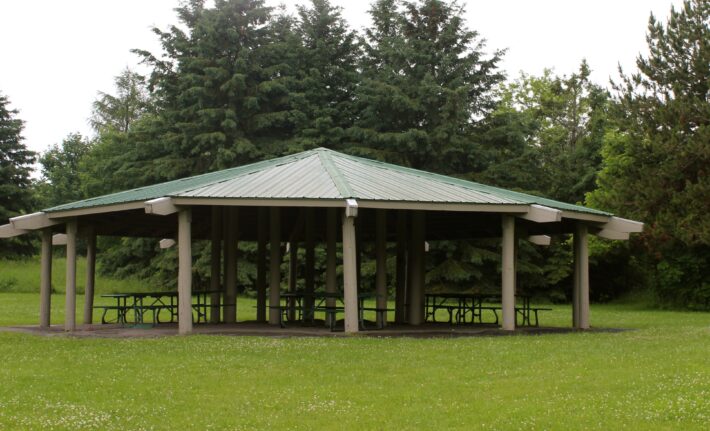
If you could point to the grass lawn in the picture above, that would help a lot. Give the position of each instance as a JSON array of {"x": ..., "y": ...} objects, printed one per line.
[{"x": 656, "y": 376}]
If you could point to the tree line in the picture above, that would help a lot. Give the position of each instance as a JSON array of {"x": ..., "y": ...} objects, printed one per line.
[{"x": 239, "y": 82}]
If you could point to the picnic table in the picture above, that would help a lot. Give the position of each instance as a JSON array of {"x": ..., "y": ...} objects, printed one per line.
[
  {"x": 469, "y": 307},
  {"x": 302, "y": 306},
  {"x": 154, "y": 304}
]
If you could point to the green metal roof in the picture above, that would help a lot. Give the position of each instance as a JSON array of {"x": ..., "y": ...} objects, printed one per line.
[{"x": 327, "y": 175}]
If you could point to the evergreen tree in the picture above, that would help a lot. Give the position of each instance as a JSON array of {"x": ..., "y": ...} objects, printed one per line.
[
  {"x": 118, "y": 112},
  {"x": 123, "y": 121},
  {"x": 221, "y": 85},
  {"x": 327, "y": 76},
  {"x": 61, "y": 181},
  {"x": 656, "y": 164},
  {"x": 15, "y": 183},
  {"x": 546, "y": 134},
  {"x": 426, "y": 82}
]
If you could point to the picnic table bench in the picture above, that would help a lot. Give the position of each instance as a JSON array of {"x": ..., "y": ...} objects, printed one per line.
[
  {"x": 294, "y": 308},
  {"x": 459, "y": 306},
  {"x": 155, "y": 303}
]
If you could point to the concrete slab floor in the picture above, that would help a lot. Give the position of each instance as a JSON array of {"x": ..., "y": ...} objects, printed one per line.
[{"x": 427, "y": 330}]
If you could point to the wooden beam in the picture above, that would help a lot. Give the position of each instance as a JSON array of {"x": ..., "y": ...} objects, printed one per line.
[
  {"x": 275, "y": 265},
  {"x": 90, "y": 276},
  {"x": 417, "y": 265},
  {"x": 230, "y": 265},
  {"x": 381, "y": 265},
  {"x": 161, "y": 206},
  {"x": 45, "y": 281},
  {"x": 70, "y": 296},
  {"x": 59, "y": 239},
  {"x": 215, "y": 263},
  {"x": 580, "y": 296},
  {"x": 9, "y": 231},
  {"x": 613, "y": 234},
  {"x": 292, "y": 277},
  {"x": 400, "y": 306},
  {"x": 331, "y": 282},
  {"x": 34, "y": 221},
  {"x": 261, "y": 265},
  {"x": 542, "y": 214},
  {"x": 350, "y": 274},
  {"x": 167, "y": 243},
  {"x": 310, "y": 269},
  {"x": 185, "y": 271},
  {"x": 623, "y": 225},
  {"x": 540, "y": 239},
  {"x": 508, "y": 273},
  {"x": 59, "y": 215}
]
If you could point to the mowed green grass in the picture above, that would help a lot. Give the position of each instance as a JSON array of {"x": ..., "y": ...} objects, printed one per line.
[{"x": 654, "y": 376}]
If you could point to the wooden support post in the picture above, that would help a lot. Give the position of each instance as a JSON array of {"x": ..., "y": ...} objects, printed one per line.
[
  {"x": 275, "y": 265},
  {"x": 292, "y": 277},
  {"x": 310, "y": 273},
  {"x": 381, "y": 262},
  {"x": 225, "y": 259},
  {"x": 581, "y": 278},
  {"x": 230, "y": 275},
  {"x": 508, "y": 272},
  {"x": 216, "y": 264},
  {"x": 90, "y": 276},
  {"x": 184, "y": 271},
  {"x": 575, "y": 280},
  {"x": 45, "y": 283},
  {"x": 70, "y": 298},
  {"x": 350, "y": 274},
  {"x": 415, "y": 310},
  {"x": 358, "y": 252},
  {"x": 331, "y": 282},
  {"x": 261, "y": 265},
  {"x": 400, "y": 306}
]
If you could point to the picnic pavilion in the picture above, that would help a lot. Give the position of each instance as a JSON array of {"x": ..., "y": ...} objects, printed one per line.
[{"x": 317, "y": 196}]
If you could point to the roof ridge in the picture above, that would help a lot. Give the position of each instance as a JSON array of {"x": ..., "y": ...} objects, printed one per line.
[{"x": 334, "y": 173}]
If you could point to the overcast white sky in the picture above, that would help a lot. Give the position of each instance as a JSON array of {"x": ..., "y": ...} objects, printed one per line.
[{"x": 55, "y": 55}]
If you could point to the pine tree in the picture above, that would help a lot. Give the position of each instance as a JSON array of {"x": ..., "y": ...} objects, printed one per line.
[
  {"x": 327, "y": 76},
  {"x": 221, "y": 86},
  {"x": 426, "y": 81},
  {"x": 656, "y": 165},
  {"x": 545, "y": 136},
  {"x": 15, "y": 183},
  {"x": 61, "y": 177}
]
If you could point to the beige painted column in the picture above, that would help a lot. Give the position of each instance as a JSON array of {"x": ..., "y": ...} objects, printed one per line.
[
  {"x": 261, "y": 265},
  {"x": 292, "y": 277},
  {"x": 350, "y": 274},
  {"x": 331, "y": 280},
  {"x": 400, "y": 307},
  {"x": 415, "y": 310},
  {"x": 575, "y": 280},
  {"x": 216, "y": 264},
  {"x": 70, "y": 297},
  {"x": 310, "y": 273},
  {"x": 45, "y": 281},
  {"x": 508, "y": 272},
  {"x": 225, "y": 259},
  {"x": 184, "y": 271},
  {"x": 581, "y": 277},
  {"x": 90, "y": 276},
  {"x": 381, "y": 262},
  {"x": 275, "y": 264},
  {"x": 230, "y": 275}
]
